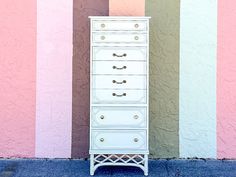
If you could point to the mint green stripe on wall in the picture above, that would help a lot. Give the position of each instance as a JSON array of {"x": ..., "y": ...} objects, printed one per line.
[
  {"x": 198, "y": 41},
  {"x": 164, "y": 77}
]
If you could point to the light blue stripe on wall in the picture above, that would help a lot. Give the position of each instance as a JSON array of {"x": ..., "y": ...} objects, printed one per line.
[{"x": 198, "y": 41}]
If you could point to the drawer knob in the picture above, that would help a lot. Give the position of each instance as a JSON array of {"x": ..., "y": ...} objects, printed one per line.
[
  {"x": 136, "y": 25},
  {"x": 102, "y": 37},
  {"x": 116, "y": 82},
  {"x": 135, "y": 116},
  {"x": 135, "y": 140},
  {"x": 115, "y": 67},
  {"x": 116, "y": 55},
  {"x": 136, "y": 38},
  {"x": 118, "y": 95},
  {"x": 102, "y": 139},
  {"x": 103, "y": 25},
  {"x": 102, "y": 117}
]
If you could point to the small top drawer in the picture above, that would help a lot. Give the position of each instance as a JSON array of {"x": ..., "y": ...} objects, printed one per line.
[
  {"x": 117, "y": 25},
  {"x": 119, "y": 37}
]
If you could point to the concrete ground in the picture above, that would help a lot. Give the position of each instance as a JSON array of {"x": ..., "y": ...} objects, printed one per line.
[{"x": 80, "y": 168}]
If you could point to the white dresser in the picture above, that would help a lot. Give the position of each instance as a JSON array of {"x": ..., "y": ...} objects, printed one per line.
[{"x": 119, "y": 83}]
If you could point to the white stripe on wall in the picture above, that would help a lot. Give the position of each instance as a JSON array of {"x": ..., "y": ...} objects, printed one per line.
[
  {"x": 198, "y": 41},
  {"x": 54, "y": 78}
]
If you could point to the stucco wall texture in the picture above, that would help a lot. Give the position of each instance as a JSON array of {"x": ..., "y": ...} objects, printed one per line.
[
  {"x": 44, "y": 97},
  {"x": 80, "y": 108},
  {"x": 17, "y": 78},
  {"x": 226, "y": 79},
  {"x": 54, "y": 78},
  {"x": 197, "y": 117},
  {"x": 164, "y": 77},
  {"x": 127, "y": 7}
]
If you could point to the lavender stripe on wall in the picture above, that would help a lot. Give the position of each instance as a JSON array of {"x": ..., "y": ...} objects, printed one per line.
[{"x": 54, "y": 79}]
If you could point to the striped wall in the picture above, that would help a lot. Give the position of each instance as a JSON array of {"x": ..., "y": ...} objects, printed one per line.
[
  {"x": 127, "y": 7},
  {"x": 80, "y": 109},
  {"x": 17, "y": 78},
  {"x": 54, "y": 79},
  {"x": 226, "y": 80},
  {"x": 164, "y": 77},
  {"x": 44, "y": 74},
  {"x": 197, "y": 113}
]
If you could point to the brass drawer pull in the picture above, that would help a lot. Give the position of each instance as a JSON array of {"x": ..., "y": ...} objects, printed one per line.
[
  {"x": 135, "y": 140},
  {"x": 114, "y": 94},
  {"x": 115, "y": 67},
  {"x": 103, "y": 25},
  {"x": 136, "y": 25},
  {"x": 116, "y": 55},
  {"x": 102, "y": 37},
  {"x": 102, "y": 139},
  {"x": 102, "y": 117},
  {"x": 135, "y": 116},
  {"x": 136, "y": 38},
  {"x": 116, "y": 82}
]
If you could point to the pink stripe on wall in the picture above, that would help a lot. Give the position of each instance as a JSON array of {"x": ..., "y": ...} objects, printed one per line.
[
  {"x": 17, "y": 77},
  {"x": 54, "y": 78},
  {"x": 226, "y": 78},
  {"x": 127, "y": 7}
]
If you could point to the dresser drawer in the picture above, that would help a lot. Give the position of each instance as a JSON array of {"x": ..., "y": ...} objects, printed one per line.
[
  {"x": 119, "y": 67},
  {"x": 120, "y": 53},
  {"x": 119, "y": 37},
  {"x": 119, "y": 117},
  {"x": 119, "y": 139},
  {"x": 119, "y": 96},
  {"x": 114, "y": 25},
  {"x": 119, "y": 82}
]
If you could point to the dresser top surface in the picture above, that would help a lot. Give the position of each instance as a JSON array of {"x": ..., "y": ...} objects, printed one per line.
[{"x": 119, "y": 17}]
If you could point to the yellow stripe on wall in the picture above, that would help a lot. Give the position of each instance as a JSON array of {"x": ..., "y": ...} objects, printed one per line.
[{"x": 164, "y": 77}]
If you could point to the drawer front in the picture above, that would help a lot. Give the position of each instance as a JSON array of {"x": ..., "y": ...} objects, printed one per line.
[
  {"x": 120, "y": 53},
  {"x": 119, "y": 38},
  {"x": 119, "y": 96},
  {"x": 119, "y": 139},
  {"x": 119, "y": 67},
  {"x": 119, "y": 25},
  {"x": 119, "y": 117},
  {"x": 118, "y": 82}
]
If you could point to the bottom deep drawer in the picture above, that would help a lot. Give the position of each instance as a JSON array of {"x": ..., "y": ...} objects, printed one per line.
[{"x": 118, "y": 139}]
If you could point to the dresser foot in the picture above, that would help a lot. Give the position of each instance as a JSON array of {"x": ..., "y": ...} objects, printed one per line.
[
  {"x": 146, "y": 165},
  {"x": 91, "y": 164}
]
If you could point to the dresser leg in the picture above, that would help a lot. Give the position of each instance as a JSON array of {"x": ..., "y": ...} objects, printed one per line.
[
  {"x": 92, "y": 164},
  {"x": 146, "y": 164}
]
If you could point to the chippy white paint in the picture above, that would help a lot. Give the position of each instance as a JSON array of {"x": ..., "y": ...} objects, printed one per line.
[
  {"x": 113, "y": 137},
  {"x": 198, "y": 40}
]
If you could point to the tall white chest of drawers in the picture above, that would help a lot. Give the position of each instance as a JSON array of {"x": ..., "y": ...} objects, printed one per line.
[{"x": 119, "y": 84}]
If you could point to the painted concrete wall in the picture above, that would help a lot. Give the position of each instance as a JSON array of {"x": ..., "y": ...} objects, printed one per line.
[
  {"x": 54, "y": 78},
  {"x": 17, "y": 78},
  {"x": 81, "y": 28},
  {"x": 198, "y": 41},
  {"x": 164, "y": 77},
  {"x": 226, "y": 80},
  {"x": 127, "y": 7},
  {"x": 40, "y": 115}
]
